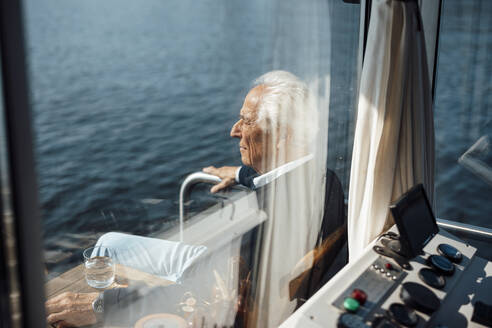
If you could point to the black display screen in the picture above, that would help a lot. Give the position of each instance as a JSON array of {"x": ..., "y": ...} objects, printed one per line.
[{"x": 415, "y": 220}]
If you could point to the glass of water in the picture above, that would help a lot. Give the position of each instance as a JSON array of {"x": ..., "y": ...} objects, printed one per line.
[{"x": 99, "y": 266}]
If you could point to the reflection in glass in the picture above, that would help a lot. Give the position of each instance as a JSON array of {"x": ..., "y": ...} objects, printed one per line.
[
  {"x": 130, "y": 98},
  {"x": 99, "y": 266},
  {"x": 478, "y": 159},
  {"x": 256, "y": 277}
]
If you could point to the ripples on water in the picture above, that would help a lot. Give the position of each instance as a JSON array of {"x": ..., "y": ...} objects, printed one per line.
[{"x": 131, "y": 96}]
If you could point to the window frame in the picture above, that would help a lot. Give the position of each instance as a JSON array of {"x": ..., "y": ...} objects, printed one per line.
[{"x": 20, "y": 159}]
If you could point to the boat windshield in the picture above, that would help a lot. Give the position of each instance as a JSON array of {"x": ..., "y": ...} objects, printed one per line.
[
  {"x": 463, "y": 113},
  {"x": 131, "y": 97}
]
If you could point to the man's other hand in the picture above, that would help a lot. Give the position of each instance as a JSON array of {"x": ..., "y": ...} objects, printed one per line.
[
  {"x": 71, "y": 310},
  {"x": 226, "y": 173}
]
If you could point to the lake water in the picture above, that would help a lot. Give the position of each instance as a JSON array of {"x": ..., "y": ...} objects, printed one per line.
[{"x": 129, "y": 97}]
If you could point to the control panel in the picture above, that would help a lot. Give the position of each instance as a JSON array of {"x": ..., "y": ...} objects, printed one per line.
[
  {"x": 378, "y": 281},
  {"x": 384, "y": 289}
]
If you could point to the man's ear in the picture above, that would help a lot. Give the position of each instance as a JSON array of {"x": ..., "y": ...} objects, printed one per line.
[
  {"x": 284, "y": 138},
  {"x": 283, "y": 148},
  {"x": 281, "y": 142}
]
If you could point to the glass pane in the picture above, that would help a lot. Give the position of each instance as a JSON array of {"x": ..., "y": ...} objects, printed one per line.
[
  {"x": 463, "y": 113},
  {"x": 130, "y": 98}
]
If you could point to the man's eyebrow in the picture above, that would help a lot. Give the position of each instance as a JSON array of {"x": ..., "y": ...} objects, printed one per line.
[{"x": 246, "y": 117}]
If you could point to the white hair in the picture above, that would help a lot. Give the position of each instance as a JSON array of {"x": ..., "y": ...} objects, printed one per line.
[{"x": 287, "y": 103}]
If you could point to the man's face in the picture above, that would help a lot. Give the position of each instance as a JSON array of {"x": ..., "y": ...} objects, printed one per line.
[{"x": 251, "y": 137}]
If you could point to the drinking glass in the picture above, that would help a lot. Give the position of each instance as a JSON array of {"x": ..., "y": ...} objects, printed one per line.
[{"x": 99, "y": 266}]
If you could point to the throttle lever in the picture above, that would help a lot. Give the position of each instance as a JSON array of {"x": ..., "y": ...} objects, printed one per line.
[{"x": 402, "y": 262}]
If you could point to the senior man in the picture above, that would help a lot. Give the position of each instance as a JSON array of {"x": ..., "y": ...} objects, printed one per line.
[
  {"x": 283, "y": 161},
  {"x": 283, "y": 154},
  {"x": 277, "y": 125}
]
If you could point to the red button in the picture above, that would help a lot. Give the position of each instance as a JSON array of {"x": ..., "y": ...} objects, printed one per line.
[
  {"x": 388, "y": 266},
  {"x": 359, "y": 295}
]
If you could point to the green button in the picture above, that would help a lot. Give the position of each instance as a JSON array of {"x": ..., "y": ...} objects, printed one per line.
[{"x": 351, "y": 304}]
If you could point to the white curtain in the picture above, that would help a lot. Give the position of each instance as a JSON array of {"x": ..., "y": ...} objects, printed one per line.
[{"x": 394, "y": 135}]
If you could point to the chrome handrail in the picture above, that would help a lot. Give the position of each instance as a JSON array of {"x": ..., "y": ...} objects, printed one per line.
[
  {"x": 199, "y": 177},
  {"x": 184, "y": 191},
  {"x": 474, "y": 231}
]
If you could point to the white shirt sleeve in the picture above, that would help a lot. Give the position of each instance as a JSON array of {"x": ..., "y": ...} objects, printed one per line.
[{"x": 237, "y": 174}]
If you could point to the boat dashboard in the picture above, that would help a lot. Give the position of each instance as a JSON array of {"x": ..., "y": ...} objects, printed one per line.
[{"x": 447, "y": 285}]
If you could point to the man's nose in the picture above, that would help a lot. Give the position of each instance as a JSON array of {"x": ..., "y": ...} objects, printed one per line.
[{"x": 236, "y": 130}]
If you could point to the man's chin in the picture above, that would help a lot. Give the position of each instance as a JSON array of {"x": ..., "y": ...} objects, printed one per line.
[{"x": 245, "y": 161}]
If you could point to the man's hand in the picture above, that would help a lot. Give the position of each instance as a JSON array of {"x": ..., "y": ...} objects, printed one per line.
[
  {"x": 71, "y": 309},
  {"x": 226, "y": 173}
]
